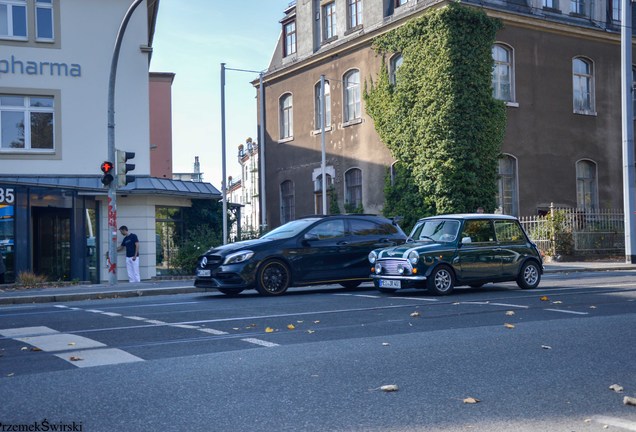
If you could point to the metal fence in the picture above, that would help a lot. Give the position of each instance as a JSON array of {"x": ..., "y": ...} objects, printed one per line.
[{"x": 568, "y": 231}]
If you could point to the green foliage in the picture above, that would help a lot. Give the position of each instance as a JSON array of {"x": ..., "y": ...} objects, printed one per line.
[
  {"x": 440, "y": 118},
  {"x": 352, "y": 209},
  {"x": 557, "y": 228},
  {"x": 203, "y": 222},
  {"x": 334, "y": 208},
  {"x": 404, "y": 199}
]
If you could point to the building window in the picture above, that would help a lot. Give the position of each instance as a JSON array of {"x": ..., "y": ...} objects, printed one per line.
[
  {"x": 502, "y": 73},
  {"x": 286, "y": 117},
  {"x": 586, "y": 190},
  {"x": 352, "y": 96},
  {"x": 394, "y": 65},
  {"x": 583, "y": 85},
  {"x": 577, "y": 7},
  {"x": 26, "y": 123},
  {"x": 327, "y": 107},
  {"x": 355, "y": 13},
  {"x": 44, "y": 20},
  {"x": 615, "y": 6},
  {"x": 551, "y": 4},
  {"x": 399, "y": 3},
  {"x": 286, "y": 201},
  {"x": 290, "y": 38},
  {"x": 13, "y": 19},
  {"x": 634, "y": 91},
  {"x": 329, "y": 21},
  {"x": 507, "y": 190},
  {"x": 318, "y": 192},
  {"x": 353, "y": 189}
]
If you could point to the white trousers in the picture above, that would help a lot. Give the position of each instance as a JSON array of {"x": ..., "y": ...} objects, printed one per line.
[{"x": 133, "y": 269}]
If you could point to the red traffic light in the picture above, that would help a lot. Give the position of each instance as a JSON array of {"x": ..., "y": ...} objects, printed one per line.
[{"x": 107, "y": 167}]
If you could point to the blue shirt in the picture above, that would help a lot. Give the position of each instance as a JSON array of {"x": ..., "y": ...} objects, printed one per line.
[{"x": 129, "y": 243}]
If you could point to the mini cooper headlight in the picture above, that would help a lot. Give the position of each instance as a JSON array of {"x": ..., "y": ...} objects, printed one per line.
[
  {"x": 372, "y": 257},
  {"x": 378, "y": 268},
  {"x": 413, "y": 257},
  {"x": 238, "y": 257}
]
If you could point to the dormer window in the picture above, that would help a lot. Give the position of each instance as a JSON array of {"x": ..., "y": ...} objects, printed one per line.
[{"x": 289, "y": 31}]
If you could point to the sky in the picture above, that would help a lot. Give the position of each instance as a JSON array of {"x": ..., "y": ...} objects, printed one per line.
[{"x": 192, "y": 39}]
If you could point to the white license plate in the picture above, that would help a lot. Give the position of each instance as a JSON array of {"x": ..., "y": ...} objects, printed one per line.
[
  {"x": 386, "y": 283},
  {"x": 204, "y": 273}
]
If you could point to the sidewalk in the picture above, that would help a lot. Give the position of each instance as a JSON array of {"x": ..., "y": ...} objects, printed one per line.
[{"x": 69, "y": 293}]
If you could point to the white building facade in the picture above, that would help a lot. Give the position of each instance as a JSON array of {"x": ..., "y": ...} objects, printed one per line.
[{"x": 55, "y": 63}]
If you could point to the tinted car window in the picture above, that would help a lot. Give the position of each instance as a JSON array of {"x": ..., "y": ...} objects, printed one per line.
[
  {"x": 436, "y": 230},
  {"x": 361, "y": 227},
  {"x": 329, "y": 229},
  {"x": 509, "y": 232},
  {"x": 290, "y": 229},
  {"x": 479, "y": 231}
]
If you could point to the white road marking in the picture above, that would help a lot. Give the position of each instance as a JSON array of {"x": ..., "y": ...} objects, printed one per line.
[
  {"x": 260, "y": 342},
  {"x": 568, "y": 311},
  {"x": 615, "y": 422},
  {"x": 61, "y": 306},
  {"x": 417, "y": 298},
  {"x": 155, "y": 322},
  {"x": 185, "y": 326},
  {"x": 111, "y": 314},
  {"x": 60, "y": 342},
  {"x": 510, "y": 305},
  {"x": 94, "y": 311},
  {"x": 27, "y": 331},
  {"x": 136, "y": 318},
  {"x": 98, "y": 357},
  {"x": 212, "y": 331}
]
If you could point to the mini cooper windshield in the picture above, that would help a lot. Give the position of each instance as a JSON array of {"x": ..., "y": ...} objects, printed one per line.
[{"x": 438, "y": 230}]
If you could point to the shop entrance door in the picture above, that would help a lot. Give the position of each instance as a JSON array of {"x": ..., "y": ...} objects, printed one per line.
[{"x": 52, "y": 242}]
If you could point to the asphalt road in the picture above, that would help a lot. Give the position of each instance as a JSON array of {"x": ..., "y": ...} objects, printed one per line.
[{"x": 316, "y": 360}]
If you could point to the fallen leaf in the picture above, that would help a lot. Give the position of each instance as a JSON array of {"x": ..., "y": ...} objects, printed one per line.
[
  {"x": 316, "y": 322},
  {"x": 617, "y": 388},
  {"x": 557, "y": 302},
  {"x": 10, "y": 374},
  {"x": 509, "y": 326},
  {"x": 592, "y": 307},
  {"x": 471, "y": 400},
  {"x": 36, "y": 349},
  {"x": 385, "y": 344},
  {"x": 71, "y": 344},
  {"x": 269, "y": 330},
  {"x": 300, "y": 322},
  {"x": 546, "y": 347},
  {"x": 389, "y": 388},
  {"x": 311, "y": 331},
  {"x": 415, "y": 314},
  {"x": 73, "y": 358},
  {"x": 544, "y": 298},
  {"x": 627, "y": 400},
  {"x": 235, "y": 328},
  {"x": 588, "y": 420},
  {"x": 510, "y": 313},
  {"x": 24, "y": 348},
  {"x": 291, "y": 326}
]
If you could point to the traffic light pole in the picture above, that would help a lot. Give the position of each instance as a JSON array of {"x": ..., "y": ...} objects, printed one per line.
[{"x": 112, "y": 187}]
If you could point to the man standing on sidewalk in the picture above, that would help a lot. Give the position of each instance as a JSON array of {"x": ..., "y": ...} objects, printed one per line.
[{"x": 131, "y": 243}]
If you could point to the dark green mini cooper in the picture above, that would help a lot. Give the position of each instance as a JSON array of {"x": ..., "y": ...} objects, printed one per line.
[{"x": 462, "y": 249}]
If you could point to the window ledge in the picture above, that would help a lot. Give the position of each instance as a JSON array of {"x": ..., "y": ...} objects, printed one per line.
[
  {"x": 352, "y": 122},
  {"x": 551, "y": 10},
  {"x": 353, "y": 29},
  {"x": 331, "y": 39},
  {"x": 587, "y": 113},
  {"x": 318, "y": 131},
  {"x": 284, "y": 140},
  {"x": 512, "y": 104}
]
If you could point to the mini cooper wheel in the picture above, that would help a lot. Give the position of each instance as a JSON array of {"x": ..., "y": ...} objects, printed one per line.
[
  {"x": 529, "y": 275},
  {"x": 273, "y": 278},
  {"x": 350, "y": 284},
  {"x": 441, "y": 281},
  {"x": 230, "y": 291}
]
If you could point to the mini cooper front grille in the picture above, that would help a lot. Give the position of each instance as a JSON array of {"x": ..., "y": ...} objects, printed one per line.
[{"x": 392, "y": 266}]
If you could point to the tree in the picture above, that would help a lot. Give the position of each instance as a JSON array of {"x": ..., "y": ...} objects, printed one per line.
[{"x": 439, "y": 118}]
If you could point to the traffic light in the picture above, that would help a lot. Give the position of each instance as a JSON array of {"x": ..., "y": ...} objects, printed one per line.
[
  {"x": 124, "y": 168},
  {"x": 107, "y": 169}
]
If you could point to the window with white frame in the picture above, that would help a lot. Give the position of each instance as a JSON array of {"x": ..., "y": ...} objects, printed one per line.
[
  {"x": 13, "y": 19},
  {"x": 616, "y": 10},
  {"x": 577, "y": 7},
  {"x": 352, "y": 110},
  {"x": 44, "y": 20},
  {"x": 318, "y": 192},
  {"x": 27, "y": 123},
  {"x": 290, "y": 38},
  {"x": 502, "y": 73},
  {"x": 551, "y": 4},
  {"x": 328, "y": 21},
  {"x": 394, "y": 64},
  {"x": 286, "y": 116},
  {"x": 583, "y": 85},
  {"x": 287, "y": 212},
  {"x": 507, "y": 186},
  {"x": 353, "y": 188},
  {"x": 586, "y": 188},
  {"x": 327, "y": 106},
  {"x": 355, "y": 13}
]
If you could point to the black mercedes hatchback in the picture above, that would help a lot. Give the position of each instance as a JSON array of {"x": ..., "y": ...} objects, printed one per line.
[{"x": 308, "y": 251}]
